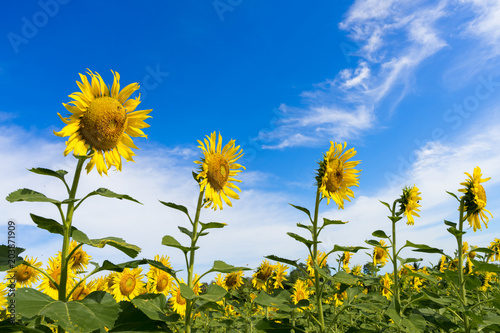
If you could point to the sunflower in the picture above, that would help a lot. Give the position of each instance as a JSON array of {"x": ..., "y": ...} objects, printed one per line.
[
  {"x": 475, "y": 199},
  {"x": 83, "y": 290},
  {"x": 300, "y": 291},
  {"x": 263, "y": 273},
  {"x": 357, "y": 269},
  {"x": 346, "y": 257},
  {"x": 177, "y": 301},
  {"x": 233, "y": 280},
  {"x": 495, "y": 247},
  {"x": 442, "y": 264},
  {"x": 79, "y": 259},
  {"x": 279, "y": 277},
  {"x": 386, "y": 285},
  {"x": 320, "y": 261},
  {"x": 54, "y": 270},
  {"x": 336, "y": 174},
  {"x": 127, "y": 284},
  {"x": 218, "y": 168},
  {"x": 380, "y": 255},
  {"x": 25, "y": 275},
  {"x": 160, "y": 281},
  {"x": 3, "y": 296},
  {"x": 103, "y": 121},
  {"x": 409, "y": 203}
]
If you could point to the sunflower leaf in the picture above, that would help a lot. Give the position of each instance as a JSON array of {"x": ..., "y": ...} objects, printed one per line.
[
  {"x": 129, "y": 249},
  {"x": 455, "y": 232},
  {"x": 344, "y": 278},
  {"x": 110, "y": 194},
  {"x": 293, "y": 263},
  {"x": 305, "y": 210},
  {"x": 212, "y": 225},
  {"x": 9, "y": 257},
  {"x": 408, "y": 260},
  {"x": 214, "y": 293},
  {"x": 379, "y": 234},
  {"x": 47, "y": 172},
  {"x": 97, "y": 310},
  {"x": 352, "y": 249},
  {"x": 159, "y": 265},
  {"x": 453, "y": 195},
  {"x": 109, "y": 266},
  {"x": 176, "y": 206},
  {"x": 153, "y": 306},
  {"x": 187, "y": 292},
  {"x": 301, "y": 239},
  {"x": 308, "y": 227},
  {"x": 373, "y": 242},
  {"x": 450, "y": 224},
  {"x": 386, "y": 204},
  {"x": 423, "y": 248},
  {"x": 26, "y": 194},
  {"x": 172, "y": 242},
  {"x": 50, "y": 225},
  {"x": 280, "y": 300},
  {"x": 485, "y": 267},
  {"x": 222, "y": 267},
  {"x": 186, "y": 231},
  {"x": 329, "y": 222}
]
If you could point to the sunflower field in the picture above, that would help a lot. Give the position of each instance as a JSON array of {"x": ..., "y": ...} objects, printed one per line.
[{"x": 326, "y": 293}]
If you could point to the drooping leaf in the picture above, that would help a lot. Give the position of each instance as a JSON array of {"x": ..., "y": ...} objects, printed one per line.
[
  {"x": 212, "y": 225},
  {"x": 118, "y": 243},
  {"x": 176, "y": 206},
  {"x": 386, "y": 204},
  {"x": 330, "y": 222},
  {"x": 485, "y": 267},
  {"x": 373, "y": 242},
  {"x": 110, "y": 194},
  {"x": 352, "y": 249},
  {"x": 50, "y": 225},
  {"x": 153, "y": 306},
  {"x": 423, "y": 248},
  {"x": 28, "y": 195},
  {"x": 453, "y": 195},
  {"x": 109, "y": 266},
  {"x": 222, "y": 267},
  {"x": 379, "y": 234},
  {"x": 301, "y": 239},
  {"x": 290, "y": 262},
  {"x": 186, "y": 231},
  {"x": 172, "y": 242},
  {"x": 305, "y": 210},
  {"x": 9, "y": 257},
  {"x": 162, "y": 267},
  {"x": 47, "y": 172}
]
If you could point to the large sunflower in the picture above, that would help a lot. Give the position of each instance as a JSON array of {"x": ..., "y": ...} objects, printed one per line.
[
  {"x": 279, "y": 277},
  {"x": 25, "y": 275},
  {"x": 300, "y": 292},
  {"x": 409, "y": 203},
  {"x": 320, "y": 261},
  {"x": 475, "y": 199},
  {"x": 127, "y": 284},
  {"x": 380, "y": 255},
  {"x": 159, "y": 280},
  {"x": 54, "y": 270},
  {"x": 79, "y": 258},
  {"x": 263, "y": 273},
  {"x": 336, "y": 174},
  {"x": 103, "y": 120},
  {"x": 217, "y": 170},
  {"x": 233, "y": 280}
]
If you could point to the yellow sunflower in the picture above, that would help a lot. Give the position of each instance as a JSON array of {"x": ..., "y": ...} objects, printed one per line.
[
  {"x": 233, "y": 280},
  {"x": 160, "y": 281},
  {"x": 263, "y": 273},
  {"x": 177, "y": 301},
  {"x": 83, "y": 290},
  {"x": 54, "y": 270},
  {"x": 320, "y": 261},
  {"x": 80, "y": 259},
  {"x": 380, "y": 255},
  {"x": 103, "y": 120},
  {"x": 475, "y": 199},
  {"x": 25, "y": 275},
  {"x": 409, "y": 203},
  {"x": 386, "y": 283},
  {"x": 346, "y": 257},
  {"x": 217, "y": 171},
  {"x": 300, "y": 291},
  {"x": 495, "y": 247},
  {"x": 127, "y": 284},
  {"x": 3, "y": 296},
  {"x": 336, "y": 174},
  {"x": 279, "y": 277}
]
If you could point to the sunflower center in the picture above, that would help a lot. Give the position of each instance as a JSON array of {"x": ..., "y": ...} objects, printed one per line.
[
  {"x": 300, "y": 295},
  {"x": 104, "y": 122},
  {"x": 335, "y": 176},
  {"x": 231, "y": 280},
  {"x": 180, "y": 300},
  {"x": 162, "y": 282},
  {"x": 56, "y": 275},
  {"x": 127, "y": 284},
  {"x": 24, "y": 273},
  {"x": 218, "y": 171}
]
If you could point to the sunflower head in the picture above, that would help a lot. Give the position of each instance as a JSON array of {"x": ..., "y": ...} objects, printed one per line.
[
  {"x": 380, "y": 255},
  {"x": 495, "y": 247},
  {"x": 233, "y": 280},
  {"x": 280, "y": 275},
  {"x": 410, "y": 202},
  {"x": 386, "y": 283},
  {"x": 102, "y": 121},
  {"x": 79, "y": 259},
  {"x": 127, "y": 284},
  {"x": 320, "y": 261},
  {"x": 26, "y": 275},
  {"x": 336, "y": 174},
  {"x": 218, "y": 168},
  {"x": 475, "y": 199},
  {"x": 300, "y": 291},
  {"x": 263, "y": 274}
]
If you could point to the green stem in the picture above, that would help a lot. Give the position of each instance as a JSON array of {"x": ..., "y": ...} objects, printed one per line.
[
  {"x": 190, "y": 264},
  {"x": 461, "y": 283},
  {"x": 395, "y": 261},
  {"x": 67, "y": 232},
  {"x": 317, "y": 288}
]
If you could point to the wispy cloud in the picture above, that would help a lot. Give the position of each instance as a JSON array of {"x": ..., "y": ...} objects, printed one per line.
[{"x": 395, "y": 38}]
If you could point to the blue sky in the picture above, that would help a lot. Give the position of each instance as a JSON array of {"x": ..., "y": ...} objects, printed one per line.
[{"x": 414, "y": 87}]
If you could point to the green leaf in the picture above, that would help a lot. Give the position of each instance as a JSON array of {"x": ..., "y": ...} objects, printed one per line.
[
  {"x": 455, "y": 232},
  {"x": 6, "y": 326},
  {"x": 131, "y": 319},
  {"x": 414, "y": 323},
  {"x": 176, "y": 206},
  {"x": 404, "y": 261},
  {"x": 386, "y": 204},
  {"x": 330, "y": 222},
  {"x": 50, "y": 225},
  {"x": 379, "y": 234},
  {"x": 30, "y": 196},
  {"x": 279, "y": 299},
  {"x": 212, "y": 225},
  {"x": 47, "y": 172},
  {"x": 293, "y": 263},
  {"x": 187, "y": 292},
  {"x": 9, "y": 257},
  {"x": 222, "y": 267},
  {"x": 186, "y": 231},
  {"x": 373, "y": 242},
  {"x": 345, "y": 278},
  {"x": 423, "y": 248},
  {"x": 453, "y": 195},
  {"x": 305, "y": 210},
  {"x": 450, "y": 224},
  {"x": 301, "y": 239},
  {"x": 110, "y": 194},
  {"x": 118, "y": 243},
  {"x": 109, "y": 266},
  {"x": 308, "y": 227},
  {"x": 215, "y": 293},
  {"x": 266, "y": 325},
  {"x": 97, "y": 310},
  {"x": 485, "y": 267},
  {"x": 153, "y": 306},
  {"x": 482, "y": 250},
  {"x": 172, "y": 242},
  {"x": 352, "y": 249},
  {"x": 160, "y": 265}
]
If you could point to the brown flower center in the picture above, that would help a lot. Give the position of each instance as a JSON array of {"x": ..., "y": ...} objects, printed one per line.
[
  {"x": 103, "y": 123},
  {"x": 335, "y": 176},
  {"x": 127, "y": 284},
  {"x": 218, "y": 171}
]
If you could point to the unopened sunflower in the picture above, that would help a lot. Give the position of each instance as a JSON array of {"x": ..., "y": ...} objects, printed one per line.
[
  {"x": 475, "y": 199},
  {"x": 336, "y": 174},
  {"x": 218, "y": 168},
  {"x": 102, "y": 121}
]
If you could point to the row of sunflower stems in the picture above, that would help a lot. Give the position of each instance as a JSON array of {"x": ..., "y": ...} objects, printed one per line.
[{"x": 99, "y": 129}]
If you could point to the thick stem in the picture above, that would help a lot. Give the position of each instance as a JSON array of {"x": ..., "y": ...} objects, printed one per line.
[
  {"x": 194, "y": 239},
  {"x": 395, "y": 261},
  {"x": 461, "y": 284},
  {"x": 317, "y": 288},
  {"x": 67, "y": 232}
]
